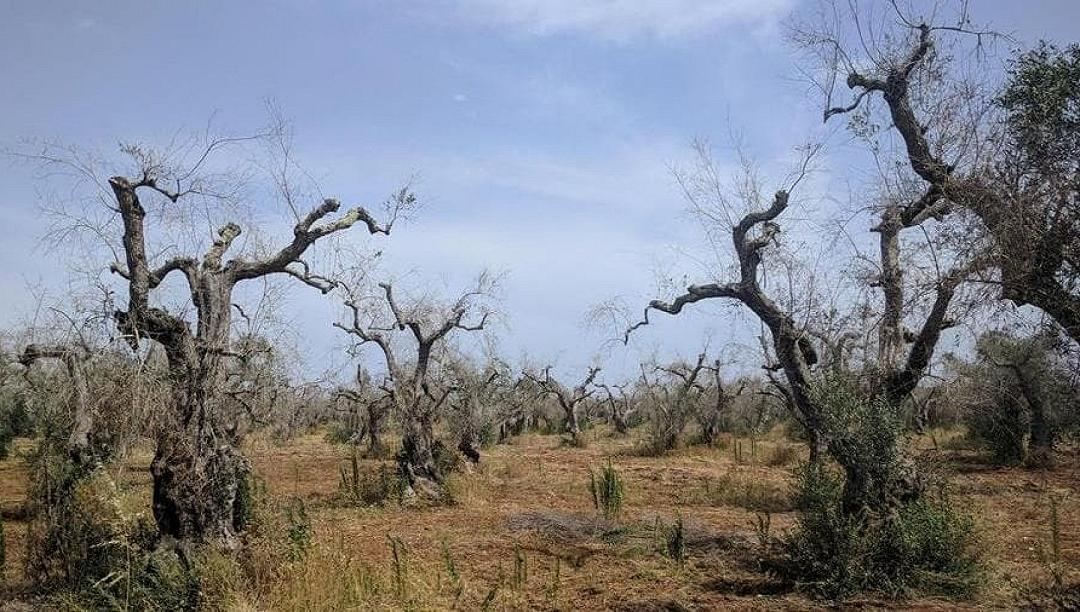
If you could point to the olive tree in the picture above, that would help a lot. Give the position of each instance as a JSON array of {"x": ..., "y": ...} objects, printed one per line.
[
  {"x": 420, "y": 327},
  {"x": 198, "y": 468},
  {"x": 1006, "y": 161}
]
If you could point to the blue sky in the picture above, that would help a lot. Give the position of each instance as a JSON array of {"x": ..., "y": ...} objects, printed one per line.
[{"x": 541, "y": 131}]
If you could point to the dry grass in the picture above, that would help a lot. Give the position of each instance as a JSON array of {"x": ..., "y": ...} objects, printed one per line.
[{"x": 523, "y": 533}]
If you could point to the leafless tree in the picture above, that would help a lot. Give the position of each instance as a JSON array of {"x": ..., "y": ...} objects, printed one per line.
[
  {"x": 520, "y": 410},
  {"x": 712, "y": 415},
  {"x": 376, "y": 403},
  {"x": 674, "y": 401},
  {"x": 197, "y": 467},
  {"x": 74, "y": 358},
  {"x": 569, "y": 399},
  {"x": 795, "y": 352},
  {"x": 478, "y": 392},
  {"x": 953, "y": 143},
  {"x": 622, "y": 405},
  {"x": 416, "y": 400}
]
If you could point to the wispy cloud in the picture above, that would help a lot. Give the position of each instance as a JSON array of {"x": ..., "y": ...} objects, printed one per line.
[{"x": 622, "y": 20}]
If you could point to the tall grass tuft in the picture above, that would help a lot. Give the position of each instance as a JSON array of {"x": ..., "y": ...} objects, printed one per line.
[{"x": 607, "y": 491}]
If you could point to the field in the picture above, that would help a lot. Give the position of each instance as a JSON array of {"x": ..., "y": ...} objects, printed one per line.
[{"x": 523, "y": 532}]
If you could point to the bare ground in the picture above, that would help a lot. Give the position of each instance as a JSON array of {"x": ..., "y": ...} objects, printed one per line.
[{"x": 522, "y": 533}]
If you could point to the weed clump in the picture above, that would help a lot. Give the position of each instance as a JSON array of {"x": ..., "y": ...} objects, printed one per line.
[
  {"x": 746, "y": 490},
  {"x": 358, "y": 487},
  {"x": 607, "y": 491},
  {"x": 675, "y": 542}
]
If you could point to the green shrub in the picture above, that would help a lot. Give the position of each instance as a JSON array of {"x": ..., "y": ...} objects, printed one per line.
[
  {"x": 927, "y": 546},
  {"x": 299, "y": 532},
  {"x": 607, "y": 491},
  {"x": 88, "y": 554}
]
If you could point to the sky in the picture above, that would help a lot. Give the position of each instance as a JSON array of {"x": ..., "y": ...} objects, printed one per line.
[{"x": 539, "y": 134}]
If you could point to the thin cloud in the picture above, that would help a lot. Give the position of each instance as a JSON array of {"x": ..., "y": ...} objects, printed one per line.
[{"x": 622, "y": 20}]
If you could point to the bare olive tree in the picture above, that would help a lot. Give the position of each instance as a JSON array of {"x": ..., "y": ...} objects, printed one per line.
[
  {"x": 74, "y": 358},
  {"x": 569, "y": 399},
  {"x": 376, "y": 403},
  {"x": 1008, "y": 161},
  {"x": 622, "y": 404},
  {"x": 423, "y": 326},
  {"x": 474, "y": 404},
  {"x": 750, "y": 236},
  {"x": 675, "y": 393},
  {"x": 716, "y": 410},
  {"x": 198, "y": 468}
]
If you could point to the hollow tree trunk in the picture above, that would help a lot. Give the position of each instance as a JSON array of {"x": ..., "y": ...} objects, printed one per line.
[
  {"x": 417, "y": 461},
  {"x": 197, "y": 481}
]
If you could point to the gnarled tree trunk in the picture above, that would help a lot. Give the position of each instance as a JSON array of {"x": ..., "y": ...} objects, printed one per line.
[{"x": 198, "y": 469}]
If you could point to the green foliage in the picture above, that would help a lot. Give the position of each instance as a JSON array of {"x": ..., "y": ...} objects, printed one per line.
[
  {"x": 607, "y": 491},
  {"x": 864, "y": 436},
  {"x": 299, "y": 532},
  {"x": 1000, "y": 427},
  {"x": 816, "y": 486},
  {"x": 1042, "y": 104},
  {"x": 89, "y": 554},
  {"x": 872, "y": 527},
  {"x": 927, "y": 546},
  {"x": 1015, "y": 384}
]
